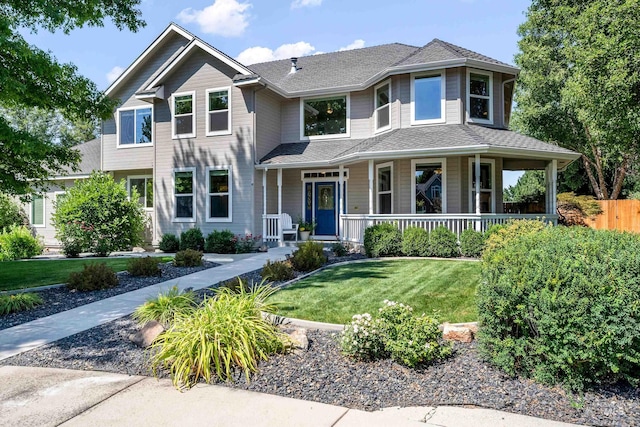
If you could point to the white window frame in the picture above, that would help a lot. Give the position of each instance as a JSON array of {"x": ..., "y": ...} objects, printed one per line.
[
  {"x": 175, "y": 135},
  {"x": 378, "y": 192},
  {"x": 193, "y": 195},
  {"x": 230, "y": 193},
  {"x": 412, "y": 186},
  {"x": 135, "y": 144},
  {"x": 377, "y": 109},
  {"x": 469, "y": 96},
  {"x": 44, "y": 212},
  {"x": 443, "y": 97},
  {"x": 472, "y": 172},
  {"x": 334, "y": 136},
  {"x": 145, "y": 177},
  {"x": 229, "y": 110}
]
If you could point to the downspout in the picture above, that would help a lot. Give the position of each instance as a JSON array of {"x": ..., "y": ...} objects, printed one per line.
[{"x": 503, "y": 85}]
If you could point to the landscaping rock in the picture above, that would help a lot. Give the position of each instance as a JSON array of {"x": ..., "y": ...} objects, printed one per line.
[
  {"x": 461, "y": 333},
  {"x": 299, "y": 339},
  {"x": 145, "y": 336}
]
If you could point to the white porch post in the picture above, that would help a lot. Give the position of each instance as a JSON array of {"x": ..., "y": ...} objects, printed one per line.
[
  {"x": 281, "y": 242},
  {"x": 341, "y": 207},
  {"x": 554, "y": 187},
  {"x": 477, "y": 199},
  {"x": 264, "y": 204},
  {"x": 371, "y": 187}
]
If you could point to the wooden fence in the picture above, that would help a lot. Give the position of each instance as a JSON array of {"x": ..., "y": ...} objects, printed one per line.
[{"x": 623, "y": 215}]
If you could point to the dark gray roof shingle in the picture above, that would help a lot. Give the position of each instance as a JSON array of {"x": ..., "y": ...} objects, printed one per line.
[
  {"x": 438, "y": 50},
  {"x": 89, "y": 158}
]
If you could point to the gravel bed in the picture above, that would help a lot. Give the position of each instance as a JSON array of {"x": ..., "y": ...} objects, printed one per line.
[
  {"x": 323, "y": 375},
  {"x": 61, "y": 299}
]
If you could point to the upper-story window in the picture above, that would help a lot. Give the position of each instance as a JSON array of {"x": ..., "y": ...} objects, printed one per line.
[
  {"x": 480, "y": 96},
  {"x": 218, "y": 111},
  {"x": 134, "y": 126},
  {"x": 428, "y": 98},
  {"x": 325, "y": 117},
  {"x": 184, "y": 115},
  {"x": 382, "y": 115}
]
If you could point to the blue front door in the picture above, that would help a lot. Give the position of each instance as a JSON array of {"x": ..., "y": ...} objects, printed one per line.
[{"x": 325, "y": 209}]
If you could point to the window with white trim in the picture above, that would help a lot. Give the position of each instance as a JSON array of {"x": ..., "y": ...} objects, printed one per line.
[
  {"x": 487, "y": 184},
  {"x": 135, "y": 126},
  {"x": 219, "y": 184},
  {"x": 184, "y": 190},
  {"x": 37, "y": 210},
  {"x": 144, "y": 188},
  {"x": 480, "y": 96},
  {"x": 428, "y": 193},
  {"x": 325, "y": 117},
  {"x": 428, "y": 98},
  {"x": 218, "y": 111},
  {"x": 382, "y": 115},
  {"x": 184, "y": 115},
  {"x": 384, "y": 188}
]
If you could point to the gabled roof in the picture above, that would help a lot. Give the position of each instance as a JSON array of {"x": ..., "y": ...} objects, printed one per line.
[
  {"x": 89, "y": 160},
  {"x": 438, "y": 50}
]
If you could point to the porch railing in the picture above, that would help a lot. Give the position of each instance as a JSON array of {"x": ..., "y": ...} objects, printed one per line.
[
  {"x": 271, "y": 228},
  {"x": 353, "y": 226}
]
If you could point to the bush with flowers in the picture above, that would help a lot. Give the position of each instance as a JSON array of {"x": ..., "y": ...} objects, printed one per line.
[
  {"x": 247, "y": 243},
  {"x": 397, "y": 333}
]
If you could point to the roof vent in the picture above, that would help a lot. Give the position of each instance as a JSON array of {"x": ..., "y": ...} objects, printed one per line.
[{"x": 294, "y": 65}]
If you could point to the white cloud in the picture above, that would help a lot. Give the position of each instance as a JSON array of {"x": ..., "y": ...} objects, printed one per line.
[
  {"x": 114, "y": 74},
  {"x": 254, "y": 55},
  {"x": 295, "y": 4},
  {"x": 227, "y": 18},
  {"x": 357, "y": 44}
]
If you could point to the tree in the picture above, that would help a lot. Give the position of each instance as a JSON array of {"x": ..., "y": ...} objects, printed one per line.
[
  {"x": 96, "y": 215},
  {"x": 33, "y": 78},
  {"x": 529, "y": 188},
  {"x": 10, "y": 213},
  {"x": 580, "y": 84}
]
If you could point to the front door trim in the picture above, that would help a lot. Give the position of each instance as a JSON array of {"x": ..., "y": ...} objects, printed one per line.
[{"x": 323, "y": 175}]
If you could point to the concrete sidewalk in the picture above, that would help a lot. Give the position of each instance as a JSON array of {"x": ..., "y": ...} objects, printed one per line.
[
  {"x": 52, "y": 397},
  {"x": 42, "y": 331}
]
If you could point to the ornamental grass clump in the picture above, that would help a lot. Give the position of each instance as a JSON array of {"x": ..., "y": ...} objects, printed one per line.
[
  {"x": 166, "y": 307},
  {"x": 19, "y": 302},
  {"x": 224, "y": 335}
]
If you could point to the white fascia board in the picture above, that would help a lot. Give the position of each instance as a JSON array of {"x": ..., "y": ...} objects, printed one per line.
[
  {"x": 172, "y": 28},
  {"x": 249, "y": 82}
]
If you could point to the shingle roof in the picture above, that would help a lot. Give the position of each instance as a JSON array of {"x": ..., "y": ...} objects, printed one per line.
[
  {"x": 89, "y": 158},
  {"x": 438, "y": 50},
  {"x": 413, "y": 139}
]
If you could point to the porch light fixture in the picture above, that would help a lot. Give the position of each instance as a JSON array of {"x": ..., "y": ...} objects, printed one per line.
[{"x": 329, "y": 109}]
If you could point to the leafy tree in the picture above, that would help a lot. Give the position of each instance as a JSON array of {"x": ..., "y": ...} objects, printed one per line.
[
  {"x": 529, "y": 188},
  {"x": 33, "y": 78},
  {"x": 580, "y": 84},
  {"x": 10, "y": 213},
  {"x": 97, "y": 216}
]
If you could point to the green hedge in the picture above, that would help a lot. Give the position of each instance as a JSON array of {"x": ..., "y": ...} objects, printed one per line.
[
  {"x": 561, "y": 305},
  {"x": 382, "y": 240}
]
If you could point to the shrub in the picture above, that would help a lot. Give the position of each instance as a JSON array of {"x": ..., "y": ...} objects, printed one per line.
[
  {"x": 166, "y": 307},
  {"x": 501, "y": 236},
  {"x": 10, "y": 213},
  {"x": 235, "y": 284},
  {"x": 339, "y": 249},
  {"x": 19, "y": 302},
  {"x": 188, "y": 258},
  {"x": 226, "y": 332},
  {"x": 415, "y": 242},
  {"x": 560, "y": 305},
  {"x": 363, "y": 338},
  {"x": 93, "y": 277},
  {"x": 192, "y": 239},
  {"x": 169, "y": 243},
  {"x": 97, "y": 216},
  {"x": 17, "y": 243},
  {"x": 382, "y": 240},
  {"x": 471, "y": 243},
  {"x": 309, "y": 256},
  {"x": 278, "y": 271},
  {"x": 146, "y": 266},
  {"x": 443, "y": 243},
  {"x": 220, "y": 242},
  {"x": 247, "y": 243}
]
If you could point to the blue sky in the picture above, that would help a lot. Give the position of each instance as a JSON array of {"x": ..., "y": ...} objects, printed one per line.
[{"x": 258, "y": 30}]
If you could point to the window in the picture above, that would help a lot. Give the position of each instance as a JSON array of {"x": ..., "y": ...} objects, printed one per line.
[
  {"x": 428, "y": 98},
  {"x": 429, "y": 191},
  {"x": 487, "y": 179},
  {"x": 219, "y": 194},
  {"x": 382, "y": 115},
  {"x": 479, "y": 96},
  {"x": 218, "y": 111},
  {"x": 134, "y": 126},
  {"x": 144, "y": 187},
  {"x": 325, "y": 117},
  {"x": 37, "y": 210},
  {"x": 184, "y": 184},
  {"x": 385, "y": 188},
  {"x": 184, "y": 117}
]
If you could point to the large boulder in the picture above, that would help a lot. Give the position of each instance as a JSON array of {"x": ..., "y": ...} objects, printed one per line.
[{"x": 145, "y": 336}]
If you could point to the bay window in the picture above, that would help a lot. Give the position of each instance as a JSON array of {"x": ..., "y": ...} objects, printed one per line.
[
  {"x": 428, "y": 98},
  {"x": 325, "y": 117},
  {"x": 384, "y": 188},
  {"x": 487, "y": 186},
  {"x": 382, "y": 106},
  {"x": 480, "y": 96},
  {"x": 428, "y": 195}
]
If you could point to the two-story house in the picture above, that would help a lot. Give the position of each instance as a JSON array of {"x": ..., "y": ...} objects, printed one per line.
[{"x": 415, "y": 135}]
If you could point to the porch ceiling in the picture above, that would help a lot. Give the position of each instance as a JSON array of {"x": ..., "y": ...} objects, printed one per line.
[{"x": 439, "y": 140}]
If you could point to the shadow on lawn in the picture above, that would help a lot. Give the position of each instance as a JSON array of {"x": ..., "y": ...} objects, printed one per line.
[{"x": 364, "y": 270}]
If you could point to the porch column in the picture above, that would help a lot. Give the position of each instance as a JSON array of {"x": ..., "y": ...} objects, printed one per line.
[
  {"x": 554, "y": 187},
  {"x": 264, "y": 204},
  {"x": 341, "y": 206},
  {"x": 371, "y": 187},
  {"x": 477, "y": 199},
  {"x": 280, "y": 207}
]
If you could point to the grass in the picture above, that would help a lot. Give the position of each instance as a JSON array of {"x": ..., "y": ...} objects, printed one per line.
[
  {"x": 28, "y": 274},
  {"x": 336, "y": 294}
]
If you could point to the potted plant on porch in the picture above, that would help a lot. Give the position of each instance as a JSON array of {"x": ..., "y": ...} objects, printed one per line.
[{"x": 305, "y": 228}]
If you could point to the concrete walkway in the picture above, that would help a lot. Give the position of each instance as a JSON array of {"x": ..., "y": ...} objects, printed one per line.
[{"x": 42, "y": 331}]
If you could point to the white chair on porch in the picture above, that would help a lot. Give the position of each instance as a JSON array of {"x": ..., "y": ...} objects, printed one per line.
[{"x": 288, "y": 227}]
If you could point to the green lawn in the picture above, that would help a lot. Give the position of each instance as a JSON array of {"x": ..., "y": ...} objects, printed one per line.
[
  {"x": 336, "y": 294},
  {"x": 27, "y": 274}
]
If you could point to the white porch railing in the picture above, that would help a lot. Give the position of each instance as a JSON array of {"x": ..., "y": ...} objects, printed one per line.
[
  {"x": 271, "y": 228},
  {"x": 353, "y": 226}
]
